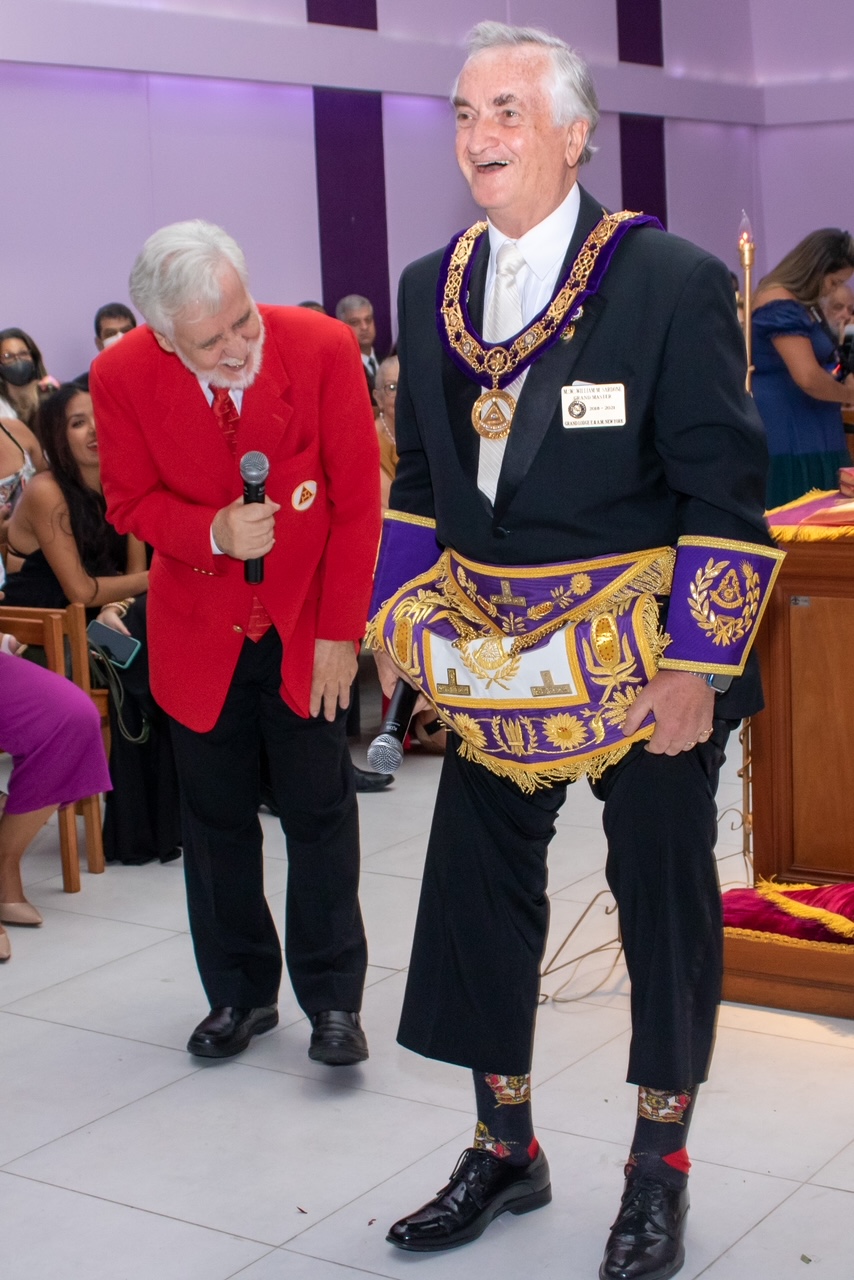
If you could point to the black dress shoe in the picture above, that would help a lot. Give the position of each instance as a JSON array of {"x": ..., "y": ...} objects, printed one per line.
[
  {"x": 481, "y": 1187},
  {"x": 227, "y": 1031},
  {"x": 371, "y": 781},
  {"x": 647, "y": 1240},
  {"x": 337, "y": 1038}
]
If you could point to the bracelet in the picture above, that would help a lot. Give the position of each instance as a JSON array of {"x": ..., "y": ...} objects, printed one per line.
[{"x": 121, "y": 606}]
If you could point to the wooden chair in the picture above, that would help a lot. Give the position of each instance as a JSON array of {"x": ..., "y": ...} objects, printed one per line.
[{"x": 49, "y": 628}]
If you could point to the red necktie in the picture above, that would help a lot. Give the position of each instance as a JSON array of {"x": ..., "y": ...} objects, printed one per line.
[{"x": 226, "y": 414}]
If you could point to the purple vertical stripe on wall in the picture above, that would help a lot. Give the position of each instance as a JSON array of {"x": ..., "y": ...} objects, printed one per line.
[
  {"x": 642, "y": 165},
  {"x": 639, "y": 36},
  {"x": 343, "y": 13},
  {"x": 348, "y": 144}
]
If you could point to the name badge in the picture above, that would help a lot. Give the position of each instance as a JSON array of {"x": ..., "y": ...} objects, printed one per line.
[{"x": 588, "y": 404}]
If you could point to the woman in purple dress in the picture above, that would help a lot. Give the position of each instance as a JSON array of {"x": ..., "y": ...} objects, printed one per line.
[{"x": 52, "y": 730}]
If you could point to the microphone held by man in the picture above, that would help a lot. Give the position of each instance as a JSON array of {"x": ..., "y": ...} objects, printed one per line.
[{"x": 254, "y": 469}]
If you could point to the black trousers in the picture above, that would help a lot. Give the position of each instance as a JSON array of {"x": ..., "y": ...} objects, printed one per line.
[
  {"x": 473, "y": 986},
  {"x": 235, "y": 940}
]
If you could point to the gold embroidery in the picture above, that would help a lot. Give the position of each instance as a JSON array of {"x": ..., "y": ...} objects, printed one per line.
[
  {"x": 497, "y": 362},
  {"x": 489, "y": 660},
  {"x": 548, "y": 689},
  {"x": 728, "y": 594},
  {"x": 506, "y": 597},
  {"x": 565, "y": 731},
  {"x": 721, "y": 629},
  {"x": 469, "y": 730},
  {"x": 453, "y": 689},
  {"x": 515, "y": 734}
]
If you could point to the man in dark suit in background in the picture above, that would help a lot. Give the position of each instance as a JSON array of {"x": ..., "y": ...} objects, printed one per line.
[
  {"x": 578, "y": 406},
  {"x": 358, "y": 313},
  {"x": 211, "y": 377}
]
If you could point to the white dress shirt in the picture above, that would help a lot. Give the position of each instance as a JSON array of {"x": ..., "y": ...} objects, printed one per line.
[{"x": 544, "y": 249}]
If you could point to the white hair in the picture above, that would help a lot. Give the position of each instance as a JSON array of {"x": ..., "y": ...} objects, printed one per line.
[
  {"x": 180, "y": 265},
  {"x": 351, "y": 302},
  {"x": 571, "y": 88}
]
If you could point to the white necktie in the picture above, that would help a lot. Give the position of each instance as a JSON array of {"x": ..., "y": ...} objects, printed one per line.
[{"x": 502, "y": 320}]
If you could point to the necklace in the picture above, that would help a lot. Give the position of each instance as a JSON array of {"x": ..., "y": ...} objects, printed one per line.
[{"x": 501, "y": 363}]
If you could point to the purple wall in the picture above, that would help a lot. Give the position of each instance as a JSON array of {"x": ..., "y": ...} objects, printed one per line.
[
  {"x": 757, "y": 98},
  {"x": 112, "y": 156}
]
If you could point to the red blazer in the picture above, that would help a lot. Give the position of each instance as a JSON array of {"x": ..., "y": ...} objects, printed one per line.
[{"x": 167, "y": 469}]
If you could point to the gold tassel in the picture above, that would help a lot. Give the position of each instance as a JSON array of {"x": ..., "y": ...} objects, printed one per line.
[
  {"x": 802, "y": 911},
  {"x": 783, "y": 940}
]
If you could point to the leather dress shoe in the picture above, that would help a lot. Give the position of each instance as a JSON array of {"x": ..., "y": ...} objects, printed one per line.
[
  {"x": 20, "y": 913},
  {"x": 366, "y": 781},
  {"x": 337, "y": 1038},
  {"x": 481, "y": 1188},
  {"x": 227, "y": 1030},
  {"x": 647, "y": 1240}
]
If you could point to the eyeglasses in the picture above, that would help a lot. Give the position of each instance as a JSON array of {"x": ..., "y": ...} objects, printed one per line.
[{"x": 9, "y": 357}]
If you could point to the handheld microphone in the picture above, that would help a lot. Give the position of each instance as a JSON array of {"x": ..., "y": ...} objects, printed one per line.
[
  {"x": 254, "y": 469},
  {"x": 385, "y": 753}
]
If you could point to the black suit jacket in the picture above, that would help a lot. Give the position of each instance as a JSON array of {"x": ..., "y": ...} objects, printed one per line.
[{"x": 691, "y": 458}]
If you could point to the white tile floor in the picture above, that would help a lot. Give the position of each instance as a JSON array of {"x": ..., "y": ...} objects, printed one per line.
[{"x": 122, "y": 1158}]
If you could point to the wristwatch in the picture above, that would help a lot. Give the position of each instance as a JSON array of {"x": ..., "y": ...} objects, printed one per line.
[{"x": 714, "y": 679}]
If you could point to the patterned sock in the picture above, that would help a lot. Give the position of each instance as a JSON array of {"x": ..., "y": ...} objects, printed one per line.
[
  {"x": 504, "y": 1124},
  {"x": 661, "y": 1132}
]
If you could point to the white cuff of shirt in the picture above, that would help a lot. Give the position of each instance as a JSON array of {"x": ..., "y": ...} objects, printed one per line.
[{"x": 218, "y": 551}]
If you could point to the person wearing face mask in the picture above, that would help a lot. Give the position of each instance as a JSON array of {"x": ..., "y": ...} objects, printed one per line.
[
  {"x": 24, "y": 381},
  {"x": 112, "y": 322}
]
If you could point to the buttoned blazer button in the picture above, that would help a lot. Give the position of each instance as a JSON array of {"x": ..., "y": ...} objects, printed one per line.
[
  {"x": 501, "y": 532},
  {"x": 236, "y": 628}
]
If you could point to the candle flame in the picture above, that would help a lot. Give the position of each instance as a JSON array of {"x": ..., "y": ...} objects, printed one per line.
[{"x": 745, "y": 231}]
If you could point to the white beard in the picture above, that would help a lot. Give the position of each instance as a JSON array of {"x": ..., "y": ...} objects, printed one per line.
[{"x": 248, "y": 371}]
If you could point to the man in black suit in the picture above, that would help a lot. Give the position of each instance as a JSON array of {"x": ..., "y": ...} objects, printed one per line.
[
  {"x": 358, "y": 313},
  {"x": 575, "y": 443}
]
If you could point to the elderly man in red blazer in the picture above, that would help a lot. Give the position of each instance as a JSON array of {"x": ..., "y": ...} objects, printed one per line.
[{"x": 209, "y": 378}]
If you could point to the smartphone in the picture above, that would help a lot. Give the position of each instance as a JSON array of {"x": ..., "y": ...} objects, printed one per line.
[{"x": 119, "y": 648}]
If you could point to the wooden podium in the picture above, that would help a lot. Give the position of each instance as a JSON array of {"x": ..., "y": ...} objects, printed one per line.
[{"x": 803, "y": 773}]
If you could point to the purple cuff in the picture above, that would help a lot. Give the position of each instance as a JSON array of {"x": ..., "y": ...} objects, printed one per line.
[
  {"x": 719, "y": 593},
  {"x": 408, "y": 547}
]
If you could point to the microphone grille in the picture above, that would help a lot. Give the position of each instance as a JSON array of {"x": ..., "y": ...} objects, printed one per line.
[
  {"x": 385, "y": 754},
  {"x": 254, "y": 467}
]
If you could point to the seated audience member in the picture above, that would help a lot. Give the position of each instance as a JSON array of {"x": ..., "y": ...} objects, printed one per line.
[
  {"x": 20, "y": 458},
  {"x": 838, "y": 308},
  {"x": 24, "y": 381},
  {"x": 358, "y": 313},
  {"x": 385, "y": 394},
  {"x": 70, "y": 553},
  {"x": 52, "y": 730},
  {"x": 112, "y": 322},
  {"x": 793, "y": 355}
]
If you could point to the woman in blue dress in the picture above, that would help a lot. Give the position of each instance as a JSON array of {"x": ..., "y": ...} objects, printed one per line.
[{"x": 794, "y": 355}]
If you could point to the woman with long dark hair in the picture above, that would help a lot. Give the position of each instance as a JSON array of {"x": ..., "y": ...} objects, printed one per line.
[
  {"x": 794, "y": 355},
  {"x": 59, "y": 528},
  {"x": 71, "y": 553},
  {"x": 24, "y": 381}
]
